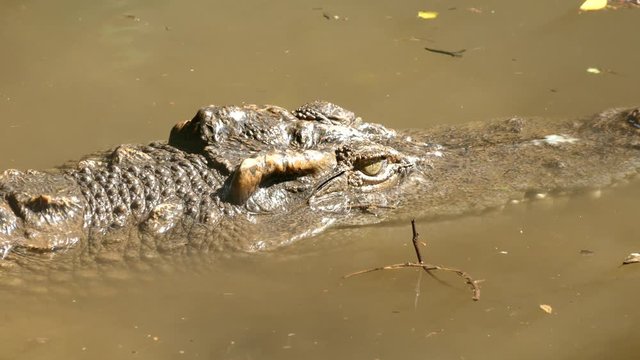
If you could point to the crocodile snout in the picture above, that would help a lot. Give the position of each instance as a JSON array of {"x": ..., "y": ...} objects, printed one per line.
[
  {"x": 8, "y": 225},
  {"x": 8, "y": 220},
  {"x": 39, "y": 212},
  {"x": 634, "y": 118}
]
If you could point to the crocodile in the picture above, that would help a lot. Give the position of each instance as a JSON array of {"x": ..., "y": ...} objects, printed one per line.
[{"x": 254, "y": 178}]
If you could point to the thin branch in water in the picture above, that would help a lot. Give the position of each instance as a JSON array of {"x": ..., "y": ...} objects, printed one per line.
[
  {"x": 473, "y": 284},
  {"x": 457, "y": 53},
  {"x": 415, "y": 239}
]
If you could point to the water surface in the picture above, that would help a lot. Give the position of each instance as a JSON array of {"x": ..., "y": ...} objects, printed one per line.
[{"x": 82, "y": 76}]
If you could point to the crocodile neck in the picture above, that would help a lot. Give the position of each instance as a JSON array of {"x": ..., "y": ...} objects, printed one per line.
[{"x": 484, "y": 165}]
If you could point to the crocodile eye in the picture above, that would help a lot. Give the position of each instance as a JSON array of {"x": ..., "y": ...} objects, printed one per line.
[
  {"x": 372, "y": 168},
  {"x": 375, "y": 171}
]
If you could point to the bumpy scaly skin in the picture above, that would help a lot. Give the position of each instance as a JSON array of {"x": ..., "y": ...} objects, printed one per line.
[
  {"x": 135, "y": 180},
  {"x": 110, "y": 207},
  {"x": 232, "y": 177},
  {"x": 258, "y": 177}
]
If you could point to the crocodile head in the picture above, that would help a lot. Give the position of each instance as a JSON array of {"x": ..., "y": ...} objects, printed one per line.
[
  {"x": 258, "y": 177},
  {"x": 41, "y": 212},
  {"x": 320, "y": 161}
]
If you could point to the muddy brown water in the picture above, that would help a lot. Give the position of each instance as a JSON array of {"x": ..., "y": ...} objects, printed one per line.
[{"x": 80, "y": 76}]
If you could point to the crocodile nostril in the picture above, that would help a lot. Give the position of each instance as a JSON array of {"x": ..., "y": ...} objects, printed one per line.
[{"x": 634, "y": 118}]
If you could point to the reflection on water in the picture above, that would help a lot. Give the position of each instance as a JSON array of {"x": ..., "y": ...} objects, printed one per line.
[{"x": 79, "y": 77}]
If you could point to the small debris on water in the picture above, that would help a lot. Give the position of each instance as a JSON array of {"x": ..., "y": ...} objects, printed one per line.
[
  {"x": 432, "y": 333},
  {"x": 503, "y": 252},
  {"x": 546, "y": 308},
  {"x": 631, "y": 259},
  {"x": 427, "y": 15},
  {"x": 590, "y": 5},
  {"x": 41, "y": 340},
  {"x": 633, "y": 3},
  {"x": 456, "y": 53},
  {"x": 132, "y": 17},
  {"x": 334, "y": 17},
  {"x": 593, "y": 70},
  {"x": 586, "y": 252}
]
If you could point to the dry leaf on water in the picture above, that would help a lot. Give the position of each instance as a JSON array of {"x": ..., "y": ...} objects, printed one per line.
[
  {"x": 546, "y": 308},
  {"x": 590, "y": 5},
  {"x": 631, "y": 259},
  {"x": 427, "y": 15}
]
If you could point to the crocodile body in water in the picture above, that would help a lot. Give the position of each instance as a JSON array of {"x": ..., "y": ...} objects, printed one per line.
[{"x": 255, "y": 178}]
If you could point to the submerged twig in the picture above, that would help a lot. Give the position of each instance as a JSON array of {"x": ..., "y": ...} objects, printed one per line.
[{"x": 473, "y": 284}]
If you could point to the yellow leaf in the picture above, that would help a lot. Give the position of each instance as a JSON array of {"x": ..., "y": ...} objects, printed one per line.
[
  {"x": 546, "y": 308},
  {"x": 589, "y": 5},
  {"x": 427, "y": 15}
]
